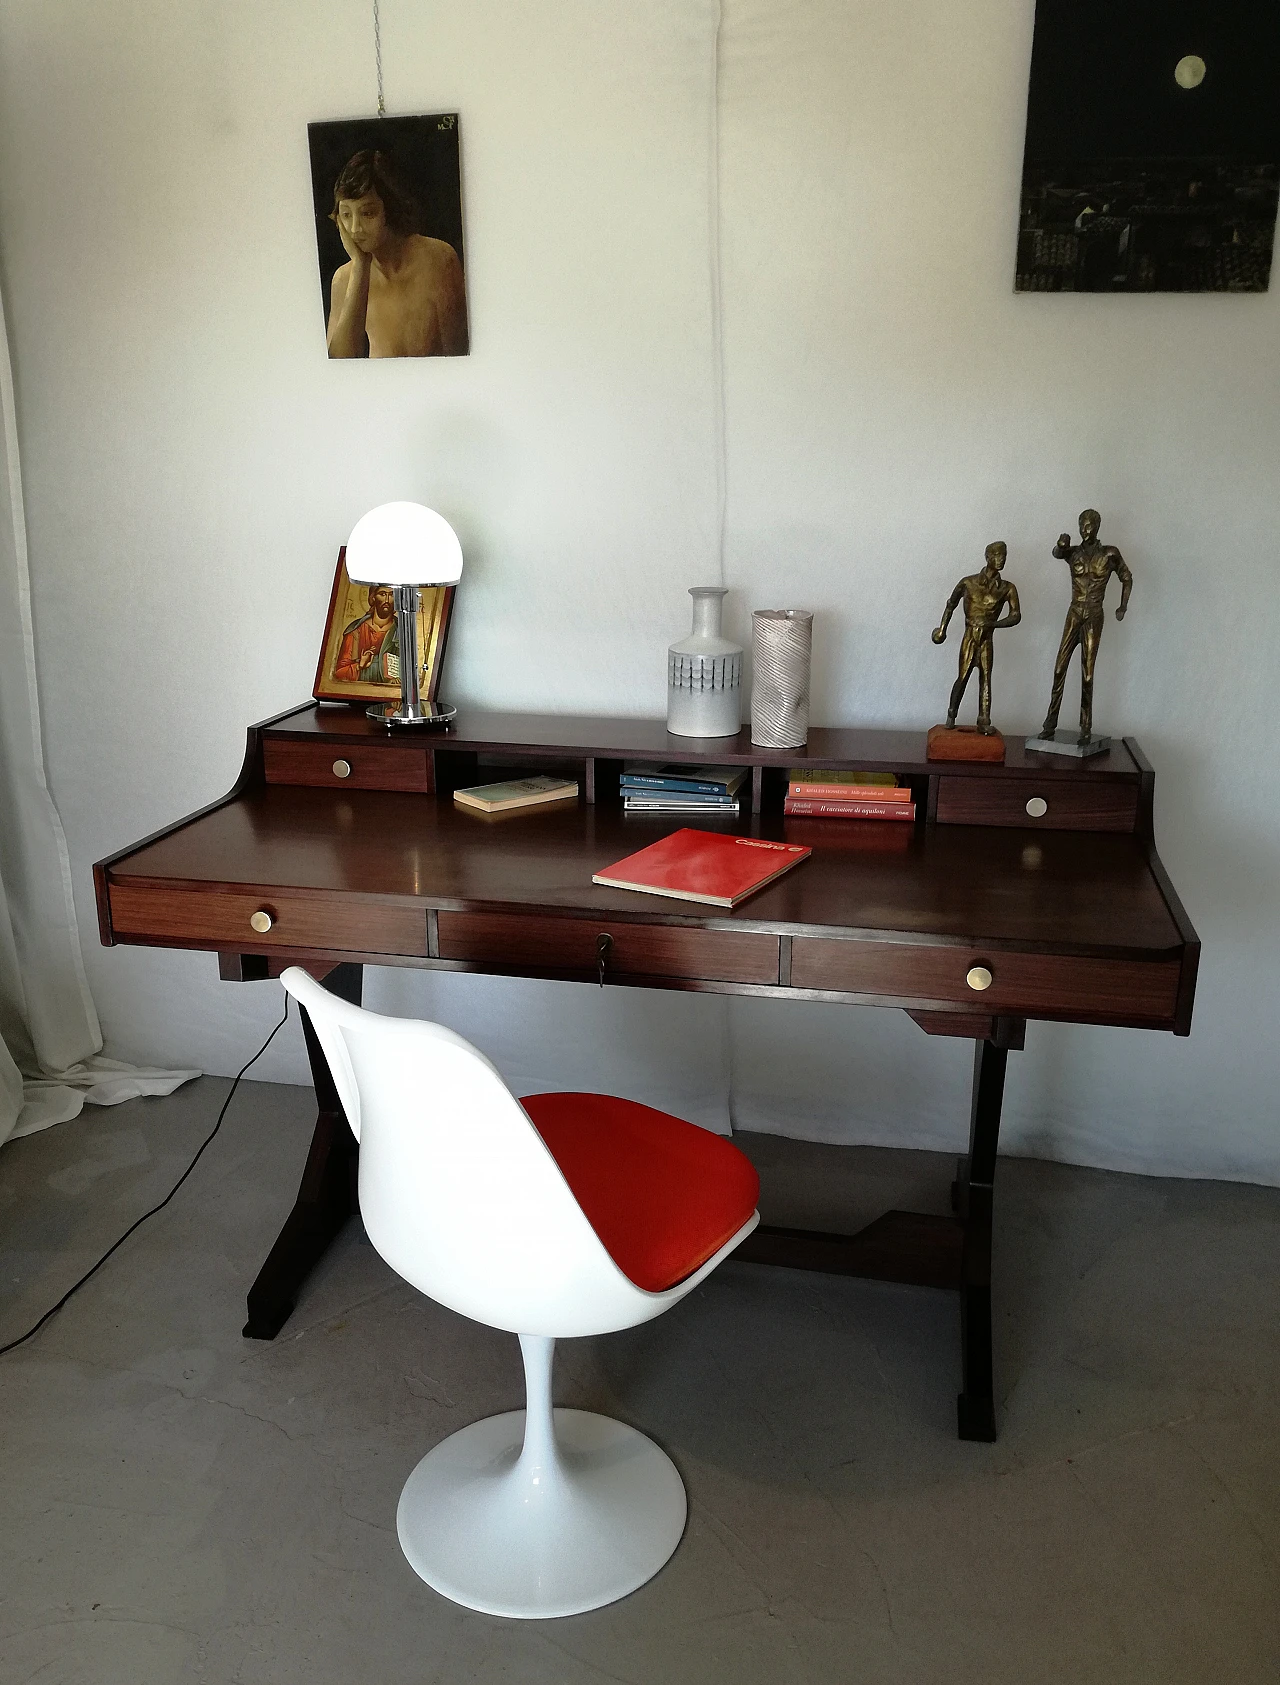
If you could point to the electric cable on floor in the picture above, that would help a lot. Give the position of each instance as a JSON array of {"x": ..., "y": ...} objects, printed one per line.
[{"x": 54, "y": 1309}]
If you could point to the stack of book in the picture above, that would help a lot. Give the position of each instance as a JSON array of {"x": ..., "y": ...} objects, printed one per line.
[
  {"x": 682, "y": 789},
  {"x": 847, "y": 795}
]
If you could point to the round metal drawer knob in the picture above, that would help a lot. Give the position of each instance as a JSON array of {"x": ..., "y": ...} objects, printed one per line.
[
  {"x": 342, "y": 769},
  {"x": 261, "y": 921},
  {"x": 979, "y": 977},
  {"x": 1037, "y": 807}
]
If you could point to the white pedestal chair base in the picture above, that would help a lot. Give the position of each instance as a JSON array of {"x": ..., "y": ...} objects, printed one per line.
[{"x": 531, "y": 1538}]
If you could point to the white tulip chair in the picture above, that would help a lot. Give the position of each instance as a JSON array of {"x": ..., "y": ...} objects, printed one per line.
[{"x": 564, "y": 1215}]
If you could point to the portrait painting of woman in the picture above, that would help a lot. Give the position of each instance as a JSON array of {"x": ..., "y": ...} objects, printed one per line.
[{"x": 388, "y": 205}]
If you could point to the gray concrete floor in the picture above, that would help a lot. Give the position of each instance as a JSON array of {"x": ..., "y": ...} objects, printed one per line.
[{"x": 181, "y": 1504}]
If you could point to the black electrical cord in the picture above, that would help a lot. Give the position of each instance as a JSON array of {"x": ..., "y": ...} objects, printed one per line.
[{"x": 54, "y": 1309}]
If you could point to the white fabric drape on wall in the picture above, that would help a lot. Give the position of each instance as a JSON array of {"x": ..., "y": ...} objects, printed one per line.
[{"x": 50, "y": 1041}]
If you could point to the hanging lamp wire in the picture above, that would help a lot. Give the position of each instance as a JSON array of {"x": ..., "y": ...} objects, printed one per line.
[{"x": 377, "y": 54}]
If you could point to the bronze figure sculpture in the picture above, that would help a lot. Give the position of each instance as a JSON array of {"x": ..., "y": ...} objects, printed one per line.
[
  {"x": 1092, "y": 565},
  {"x": 986, "y": 596}
]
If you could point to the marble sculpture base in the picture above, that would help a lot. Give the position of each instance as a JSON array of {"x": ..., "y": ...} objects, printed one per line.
[{"x": 1067, "y": 743}]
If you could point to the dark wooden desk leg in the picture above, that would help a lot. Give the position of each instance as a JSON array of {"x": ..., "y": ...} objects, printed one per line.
[
  {"x": 327, "y": 1196},
  {"x": 973, "y": 1191}
]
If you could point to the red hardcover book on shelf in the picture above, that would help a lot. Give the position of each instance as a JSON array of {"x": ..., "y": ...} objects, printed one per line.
[
  {"x": 703, "y": 866},
  {"x": 850, "y": 810},
  {"x": 803, "y": 790}
]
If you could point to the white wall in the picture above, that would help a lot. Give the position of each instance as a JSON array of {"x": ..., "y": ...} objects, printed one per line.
[{"x": 192, "y": 461}]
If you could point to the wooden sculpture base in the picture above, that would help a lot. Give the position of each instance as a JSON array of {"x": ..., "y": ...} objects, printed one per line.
[{"x": 964, "y": 743}]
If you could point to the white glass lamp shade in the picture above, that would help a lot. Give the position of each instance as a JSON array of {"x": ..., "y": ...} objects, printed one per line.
[{"x": 403, "y": 544}]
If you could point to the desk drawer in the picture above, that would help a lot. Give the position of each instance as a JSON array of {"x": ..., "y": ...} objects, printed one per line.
[
  {"x": 338, "y": 922},
  {"x": 519, "y": 943},
  {"x": 1022, "y": 985},
  {"x": 368, "y": 766},
  {"x": 1042, "y": 804}
]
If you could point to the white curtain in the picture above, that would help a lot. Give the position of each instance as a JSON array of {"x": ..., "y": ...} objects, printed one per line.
[{"x": 50, "y": 1041}]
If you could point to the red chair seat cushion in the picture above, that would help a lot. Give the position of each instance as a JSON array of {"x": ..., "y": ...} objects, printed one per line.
[{"x": 662, "y": 1194}]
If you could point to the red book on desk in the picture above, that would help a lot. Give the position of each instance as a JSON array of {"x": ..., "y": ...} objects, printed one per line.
[{"x": 703, "y": 866}]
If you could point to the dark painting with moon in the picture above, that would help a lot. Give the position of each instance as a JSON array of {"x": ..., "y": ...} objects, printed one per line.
[{"x": 1152, "y": 156}]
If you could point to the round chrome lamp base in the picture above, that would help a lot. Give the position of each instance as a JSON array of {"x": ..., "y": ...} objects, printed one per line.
[{"x": 423, "y": 713}]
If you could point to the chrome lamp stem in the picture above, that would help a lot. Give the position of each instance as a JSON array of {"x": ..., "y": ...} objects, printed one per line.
[{"x": 412, "y": 709}]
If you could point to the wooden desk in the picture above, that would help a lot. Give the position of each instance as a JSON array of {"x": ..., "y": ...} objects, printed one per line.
[{"x": 347, "y": 839}]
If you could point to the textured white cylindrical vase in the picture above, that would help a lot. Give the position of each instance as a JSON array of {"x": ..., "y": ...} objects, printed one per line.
[
  {"x": 781, "y": 641},
  {"x": 704, "y": 673}
]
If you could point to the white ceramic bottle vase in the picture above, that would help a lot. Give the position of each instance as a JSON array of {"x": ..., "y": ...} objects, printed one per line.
[
  {"x": 781, "y": 641},
  {"x": 704, "y": 673}
]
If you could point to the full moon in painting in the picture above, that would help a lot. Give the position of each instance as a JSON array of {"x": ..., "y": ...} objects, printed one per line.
[
  {"x": 1189, "y": 71},
  {"x": 1152, "y": 161}
]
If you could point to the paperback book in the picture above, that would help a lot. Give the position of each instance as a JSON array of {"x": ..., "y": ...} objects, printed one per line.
[
  {"x": 678, "y": 800},
  {"x": 516, "y": 792},
  {"x": 695, "y": 780},
  {"x": 703, "y": 866},
  {"x": 850, "y": 810},
  {"x": 807, "y": 784}
]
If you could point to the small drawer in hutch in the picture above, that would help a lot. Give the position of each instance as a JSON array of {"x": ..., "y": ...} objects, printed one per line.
[
  {"x": 1045, "y": 804},
  {"x": 355, "y": 766}
]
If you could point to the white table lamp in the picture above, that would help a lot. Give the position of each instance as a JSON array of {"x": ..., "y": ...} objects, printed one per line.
[{"x": 405, "y": 545}]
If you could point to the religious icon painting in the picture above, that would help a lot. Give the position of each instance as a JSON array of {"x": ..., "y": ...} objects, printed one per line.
[
  {"x": 387, "y": 193},
  {"x": 360, "y": 656},
  {"x": 1152, "y": 159}
]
